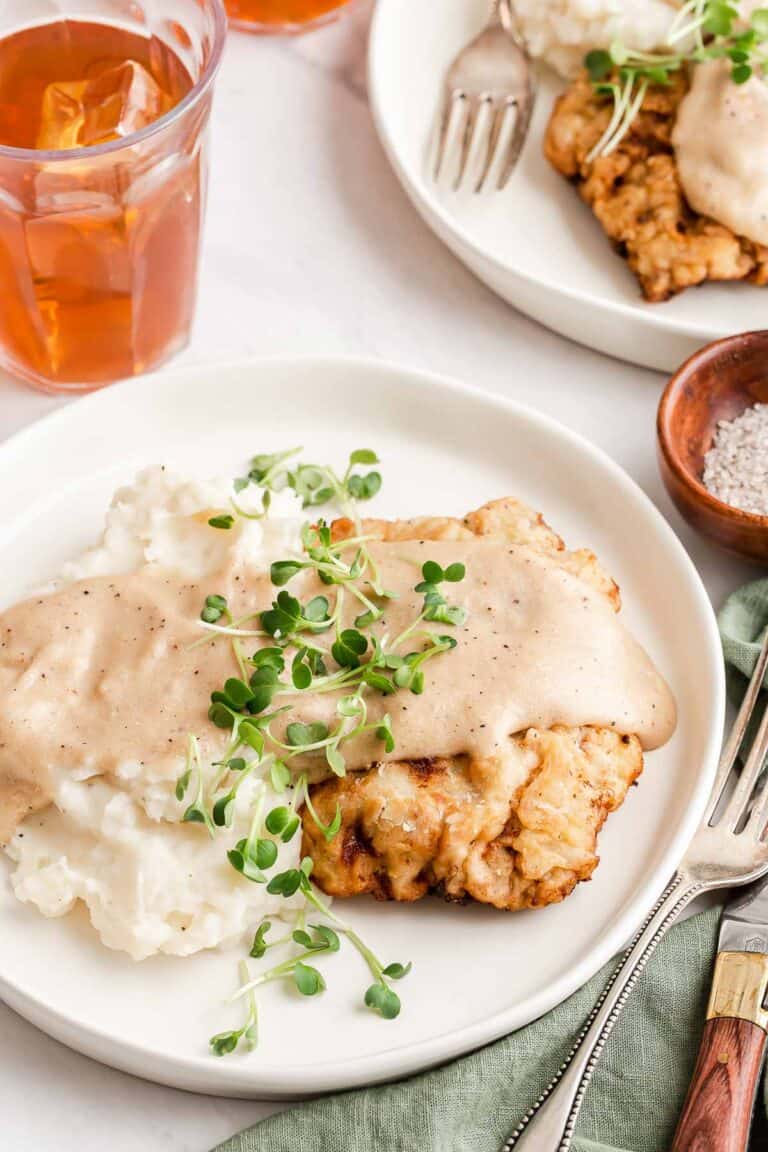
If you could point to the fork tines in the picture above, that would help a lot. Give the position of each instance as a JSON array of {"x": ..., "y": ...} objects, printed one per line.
[
  {"x": 744, "y": 799},
  {"x": 484, "y": 133}
]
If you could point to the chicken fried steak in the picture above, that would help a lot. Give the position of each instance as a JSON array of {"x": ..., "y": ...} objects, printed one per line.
[
  {"x": 636, "y": 194},
  {"x": 516, "y": 830}
]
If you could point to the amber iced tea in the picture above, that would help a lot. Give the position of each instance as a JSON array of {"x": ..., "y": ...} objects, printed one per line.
[
  {"x": 100, "y": 215},
  {"x": 280, "y": 15}
]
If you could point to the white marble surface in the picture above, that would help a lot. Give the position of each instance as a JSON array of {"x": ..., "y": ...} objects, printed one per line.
[{"x": 311, "y": 247}]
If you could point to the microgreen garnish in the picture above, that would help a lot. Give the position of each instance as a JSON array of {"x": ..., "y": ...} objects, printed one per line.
[
  {"x": 324, "y": 644},
  {"x": 197, "y": 812},
  {"x": 349, "y": 648},
  {"x": 288, "y": 883},
  {"x": 214, "y": 608},
  {"x": 379, "y": 997},
  {"x": 288, "y": 617},
  {"x": 280, "y": 776},
  {"x": 307, "y": 979},
  {"x": 259, "y": 945},
  {"x": 254, "y": 855},
  {"x": 717, "y": 32},
  {"x": 224, "y": 521},
  {"x": 306, "y": 735},
  {"x": 317, "y": 485},
  {"x": 436, "y": 607},
  {"x": 182, "y": 784},
  {"x": 317, "y": 737},
  {"x": 226, "y": 1042},
  {"x": 314, "y": 484},
  {"x": 322, "y": 938},
  {"x": 282, "y": 822},
  {"x": 315, "y": 940},
  {"x": 329, "y": 831},
  {"x": 363, "y": 663}
]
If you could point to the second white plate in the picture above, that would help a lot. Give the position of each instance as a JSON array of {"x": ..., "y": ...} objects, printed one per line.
[
  {"x": 477, "y": 973},
  {"x": 536, "y": 243}
]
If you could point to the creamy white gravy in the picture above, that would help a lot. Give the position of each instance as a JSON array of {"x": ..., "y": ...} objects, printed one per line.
[
  {"x": 721, "y": 146},
  {"x": 101, "y": 673}
]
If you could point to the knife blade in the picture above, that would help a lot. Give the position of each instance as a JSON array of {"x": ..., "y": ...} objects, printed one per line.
[
  {"x": 744, "y": 921},
  {"x": 718, "y": 1109}
]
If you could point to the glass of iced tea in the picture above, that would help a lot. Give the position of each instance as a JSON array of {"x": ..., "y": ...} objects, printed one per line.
[
  {"x": 282, "y": 15},
  {"x": 104, "y": 106}
]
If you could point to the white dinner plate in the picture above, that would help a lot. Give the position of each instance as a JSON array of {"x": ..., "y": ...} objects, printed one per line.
[
  {"x": 477, "y": 973},
  {"x": 536, "y": 243}
]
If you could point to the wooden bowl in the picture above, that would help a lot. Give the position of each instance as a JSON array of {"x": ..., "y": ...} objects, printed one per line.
[{"x": 716, "y": 383}]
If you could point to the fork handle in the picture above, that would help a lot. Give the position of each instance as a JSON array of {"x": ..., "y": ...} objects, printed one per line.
[
  {"x": 503, "y": 13},
  {"x": 549, "y": 1125}
]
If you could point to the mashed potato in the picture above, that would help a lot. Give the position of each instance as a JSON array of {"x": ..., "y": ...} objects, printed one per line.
[
  {"x": 150, "y": 883},
  {"x": 561, "y": 32}
]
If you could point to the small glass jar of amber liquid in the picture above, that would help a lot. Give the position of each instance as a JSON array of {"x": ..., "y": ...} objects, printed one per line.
[
  {"x": 286, "y": 16},
  {"x": 103, "y": 159}
]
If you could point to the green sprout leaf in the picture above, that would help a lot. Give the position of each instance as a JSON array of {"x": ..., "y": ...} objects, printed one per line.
[
  {"x": 282, "y": 822},
  {"x": 316, "y": 610},
  {"x": 284, "y": 570},
  {"x": 182, "y": 784},
  {"x": 397, "y": 971},
  {"x": 279, "y": 775},
  {"x": 242, "y": 861},
  {"x": 363, "y": 456},
  {"x": 386, "y": 735},
  {"x": 599, "y": 64},
  {"x": 455, "y": 573},
  {"x": 326, "y": 936},
  {"x": 719, "y": 19},
  {"x": 285, "y": 883},
  {"x": 446, "y": 614},
  {"x": 307, "y": 979},
  {"x": 618, "y": 53},
  {"x": 301, "y": 675},
  {"x": 238, "y": 693},
  {"x": 269, "y": 658},
  {"x": 265, "y": 853},
  {"x": 383, "y": 1000},
  {"x": 223, "y": 522},
  {"x": 336, "y": 761},
  {"x": 377, "y": 680},
  {"x": 196, "y": 814},
  {"x": 364, "y": 487},
  {"x": 759, "y": 22},
  {"x": 223, "y": 810},
  {"x": 740, "y": 73},
  {"x": 432, "y": 573},
  {"x": 213, "y": 609},
  {"x": 348, "y": 648},
  {"x": 225, "y": 1043},
  {"x": 301, "y": 735},
  {"x": 281, "y": 620},
  {"x": 259, "y": 945},
  {"x": 329, "y": 831},
  {"x": 250, "y": 733}
]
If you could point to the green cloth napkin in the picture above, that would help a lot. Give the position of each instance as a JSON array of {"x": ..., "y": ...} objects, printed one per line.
[
  {"x": 474, "y": 1103},
  {"x": 743, "y": 621}
]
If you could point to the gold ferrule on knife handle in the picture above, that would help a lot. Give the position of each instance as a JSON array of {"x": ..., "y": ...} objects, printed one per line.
[{"x": 739, "y": 987}]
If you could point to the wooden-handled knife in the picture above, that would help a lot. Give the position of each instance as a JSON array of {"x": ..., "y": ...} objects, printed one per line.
[{"x": 717, "y": 1113}]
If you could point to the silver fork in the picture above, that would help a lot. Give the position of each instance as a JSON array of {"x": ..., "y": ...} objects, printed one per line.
[
  {"x": 489, "y": 88},
  {"x": 727, "y": 851}
]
